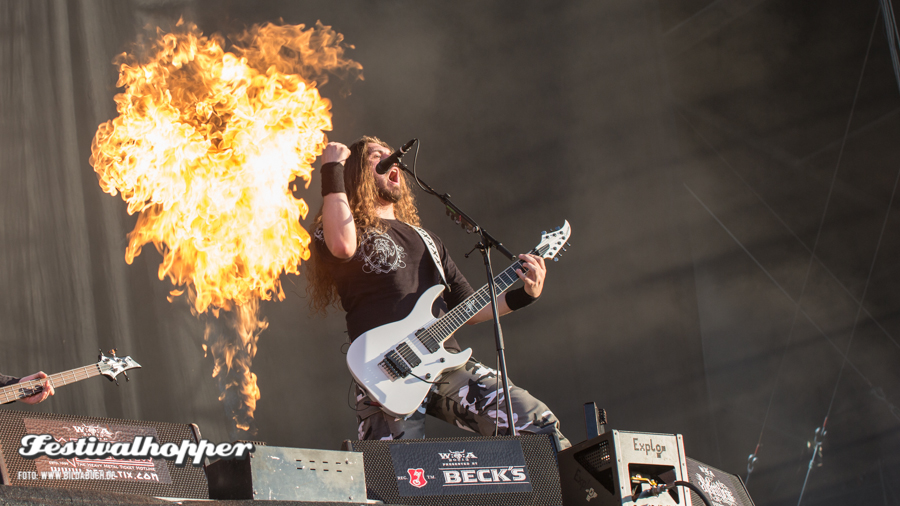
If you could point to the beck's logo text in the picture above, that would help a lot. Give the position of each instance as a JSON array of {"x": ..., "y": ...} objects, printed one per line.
[
  {"x": 485, "y": 475},
  {"x": 417, "y": 477}
]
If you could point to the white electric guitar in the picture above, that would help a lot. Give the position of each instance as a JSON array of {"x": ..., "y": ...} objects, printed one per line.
[
  {"x": 397, "y": 363},
  {"x": 108, "y": 366}
]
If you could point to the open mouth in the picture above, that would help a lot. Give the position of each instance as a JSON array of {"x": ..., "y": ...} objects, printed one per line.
[{"x": 394, "y": 175}]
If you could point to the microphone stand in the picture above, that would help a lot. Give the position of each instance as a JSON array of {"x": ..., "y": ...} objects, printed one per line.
[{"x": 487, "y": 242}]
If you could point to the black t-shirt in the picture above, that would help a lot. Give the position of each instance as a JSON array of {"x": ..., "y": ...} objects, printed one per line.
[{"x": 382, "y": 282}]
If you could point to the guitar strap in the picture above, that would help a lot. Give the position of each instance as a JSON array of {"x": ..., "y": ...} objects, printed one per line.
[{"x": 432, "y": 248}]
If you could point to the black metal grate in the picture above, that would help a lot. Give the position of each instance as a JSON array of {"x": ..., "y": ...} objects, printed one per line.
[
  {"x": 540, "y": 456},
  {"x": 188, "y": 481},
  {"x": 594, "y": 459}
]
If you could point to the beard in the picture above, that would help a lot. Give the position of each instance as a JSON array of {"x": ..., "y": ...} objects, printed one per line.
[{"x": 387, "y": 194}]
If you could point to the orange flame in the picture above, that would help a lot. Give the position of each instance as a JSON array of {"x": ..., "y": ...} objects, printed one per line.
[{"x": 205, "y": 147}]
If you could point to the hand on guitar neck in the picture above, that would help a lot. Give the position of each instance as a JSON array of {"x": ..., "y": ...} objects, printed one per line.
[
  {"x": 32, "y": 390},
  {"x": 532, "y": 273},
  {"x": 46, "y": 389}
]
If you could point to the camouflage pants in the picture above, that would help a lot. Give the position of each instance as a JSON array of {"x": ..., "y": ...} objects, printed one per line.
[{"x": 467, "y": 398}]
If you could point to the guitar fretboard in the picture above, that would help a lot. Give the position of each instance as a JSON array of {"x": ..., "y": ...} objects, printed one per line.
[
  {"x": 18, "y": 391},
  {"x": 446, "y": 325}
]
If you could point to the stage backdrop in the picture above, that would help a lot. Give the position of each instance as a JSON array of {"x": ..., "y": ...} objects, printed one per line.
[{"x": 728, "y": 169}]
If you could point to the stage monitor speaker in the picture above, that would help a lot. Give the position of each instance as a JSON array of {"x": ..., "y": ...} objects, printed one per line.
[
  {"x": 482, "y": 471},
  {"x": 290, "y": 474},
  {"x": 720, "y": 487},
  {"x": 152, "y": 477},
  {"x": 616, "y": 468}
]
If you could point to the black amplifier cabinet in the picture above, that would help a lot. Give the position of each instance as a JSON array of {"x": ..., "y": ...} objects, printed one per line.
[
  {"x": 153, "y": 477},
  {"x": 476, "y": 471},
  {"x": 720, "y": 487}
]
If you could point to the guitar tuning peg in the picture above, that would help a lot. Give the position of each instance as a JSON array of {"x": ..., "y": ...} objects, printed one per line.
[
  {"x": 568, "y": 244},
  {"x": 543, "y": 232},
  {"x": 564, "y": 249},
  {"x": 125, "y": 373},
  {"x": 556, "y": 259}
]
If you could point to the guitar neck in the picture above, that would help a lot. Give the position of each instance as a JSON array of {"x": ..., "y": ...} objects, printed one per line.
[
  {"x": 446, "y": 325},
  {"x": 18, "y": 391}
]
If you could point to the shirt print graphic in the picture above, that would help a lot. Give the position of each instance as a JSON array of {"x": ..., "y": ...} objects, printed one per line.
[{"x": 380, "y": 254}]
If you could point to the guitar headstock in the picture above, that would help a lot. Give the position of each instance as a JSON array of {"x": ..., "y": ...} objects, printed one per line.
[
  {"x": 112, "y": 365},
  {"x": 554, "y": 241}
]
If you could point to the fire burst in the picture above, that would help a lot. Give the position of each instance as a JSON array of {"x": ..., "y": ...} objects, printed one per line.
[{"x": 205, "y": 147}]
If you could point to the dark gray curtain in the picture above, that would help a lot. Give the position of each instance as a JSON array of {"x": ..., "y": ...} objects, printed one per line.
[{"x": 734, "y": 272}]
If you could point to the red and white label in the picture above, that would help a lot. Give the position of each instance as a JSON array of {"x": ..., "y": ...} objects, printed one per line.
[{"x": 417, "y": 477}]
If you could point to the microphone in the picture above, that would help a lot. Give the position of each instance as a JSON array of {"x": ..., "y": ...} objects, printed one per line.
[{"x": 386, "y": 164}]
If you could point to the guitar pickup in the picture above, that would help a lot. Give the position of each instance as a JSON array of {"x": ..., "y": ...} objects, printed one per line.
[
  {"x": 409, "y": 355},
  {"x": 427, "y": 340}
]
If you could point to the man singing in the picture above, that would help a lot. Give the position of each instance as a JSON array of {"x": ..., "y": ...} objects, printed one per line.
[{"x": 368, "y": 255}]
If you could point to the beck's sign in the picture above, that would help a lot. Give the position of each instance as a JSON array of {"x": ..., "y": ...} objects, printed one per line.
[{"x": 451, "y": 468}]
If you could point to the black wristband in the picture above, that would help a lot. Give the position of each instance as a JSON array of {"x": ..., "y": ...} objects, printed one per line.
[
  {"x": 519, "y": 298},
  {"x": 333, "y": 178}
]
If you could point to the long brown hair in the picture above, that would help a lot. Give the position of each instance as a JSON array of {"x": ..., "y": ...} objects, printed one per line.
[{"x": 362, "y": 193}]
